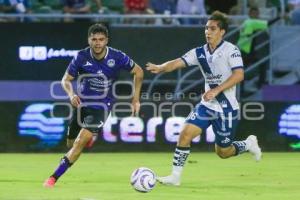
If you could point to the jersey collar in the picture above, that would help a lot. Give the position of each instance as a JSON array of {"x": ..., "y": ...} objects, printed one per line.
[
  {"x": 107, "y": 49},
  {"x": 91, "y": 54},
  {"x": 209, "y": 50}
]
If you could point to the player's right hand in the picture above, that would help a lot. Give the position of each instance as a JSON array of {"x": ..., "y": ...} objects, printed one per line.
[
  {"x": 155, "y": 69},
  {"x": 75, "y": 100}
]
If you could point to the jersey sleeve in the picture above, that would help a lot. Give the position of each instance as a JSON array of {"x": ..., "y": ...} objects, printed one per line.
[
  {"x": 235, "y": 59},
  {"x": 190, "y": 58},
  {"x": 74, "y": 66},
  {"x": 126, "y": 62}
]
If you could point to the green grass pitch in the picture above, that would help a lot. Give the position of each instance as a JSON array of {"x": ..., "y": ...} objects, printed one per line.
[{"x": 105, "y": 176}]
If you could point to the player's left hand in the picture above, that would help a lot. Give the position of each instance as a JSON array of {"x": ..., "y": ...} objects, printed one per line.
[
  {"x": 155, "y": 69},
  {"x": 210, "y": 94},
  {"x": 135, "y": 107}
]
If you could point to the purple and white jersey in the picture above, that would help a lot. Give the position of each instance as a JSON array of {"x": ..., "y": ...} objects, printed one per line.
[
  {"x": 95, "y": 78},
  {"x": 217, "y": 67}
]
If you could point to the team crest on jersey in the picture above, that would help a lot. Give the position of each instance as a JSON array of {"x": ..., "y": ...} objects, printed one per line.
[{"x": 111, "y": 62}]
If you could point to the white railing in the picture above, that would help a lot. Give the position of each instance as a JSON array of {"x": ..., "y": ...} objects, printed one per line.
[{"x": 111, "y": 16}]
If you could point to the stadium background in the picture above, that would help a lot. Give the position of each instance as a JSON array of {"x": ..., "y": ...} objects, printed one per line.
[
  {"x": 25, "y": 81},
  {"x": 35, "y": 48}
]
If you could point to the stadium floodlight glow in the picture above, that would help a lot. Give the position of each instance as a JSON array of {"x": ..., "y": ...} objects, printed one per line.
[{"x": 289, "y": 122}]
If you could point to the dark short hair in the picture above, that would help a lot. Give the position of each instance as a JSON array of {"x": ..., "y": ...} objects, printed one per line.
[
  {"x": 254, "y": 8},
  {"x": 98, "y": 28},
  {"x": 221, "y": 18}
]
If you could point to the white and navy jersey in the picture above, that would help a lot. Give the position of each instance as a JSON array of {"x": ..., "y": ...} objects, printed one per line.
[
  {"x": 217, "y": 67},
  {"x": 96, "y": 77}
]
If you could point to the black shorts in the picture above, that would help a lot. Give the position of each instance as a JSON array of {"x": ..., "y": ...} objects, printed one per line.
[{"x": 88, "y": 118}]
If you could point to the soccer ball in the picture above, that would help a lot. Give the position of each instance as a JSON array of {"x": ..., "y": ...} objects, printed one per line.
[{"x": 143, "y": 179}]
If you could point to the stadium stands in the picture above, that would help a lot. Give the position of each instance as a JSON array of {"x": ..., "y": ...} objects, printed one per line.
[{"x": 113, "y": 12}]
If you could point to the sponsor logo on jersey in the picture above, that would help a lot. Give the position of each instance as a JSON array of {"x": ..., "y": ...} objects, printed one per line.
[
  {"x": 111, "y": 62},
  {"x": 225, "y": 141},
  {"x": 235, "y": 55},
  {"x": 223, "y": 133},
  {"x": 213, "y": 79},
  {"x": 211, "y": 76}
]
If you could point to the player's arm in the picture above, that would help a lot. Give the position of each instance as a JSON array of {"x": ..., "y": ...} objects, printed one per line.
[
  {"x": 66, "y": 83},
  {"x": 138, "y": 76},
  {"x": 168, "y": 66},
  {"x": 236, "y": 77}
]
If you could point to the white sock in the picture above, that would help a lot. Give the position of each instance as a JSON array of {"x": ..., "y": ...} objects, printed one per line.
[
  {"x": 180, "y": 156},
  {"x": 177, "y": 171}
]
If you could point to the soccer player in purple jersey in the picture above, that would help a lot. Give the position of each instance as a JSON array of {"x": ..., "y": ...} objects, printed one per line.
[{"x": 95, "y": 68}]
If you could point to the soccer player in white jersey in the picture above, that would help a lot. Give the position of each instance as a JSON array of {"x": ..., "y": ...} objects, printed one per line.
[{"x": 222, "y": 67}]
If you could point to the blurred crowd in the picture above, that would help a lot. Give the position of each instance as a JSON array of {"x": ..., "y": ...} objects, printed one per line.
[{"x": 162, "y": 7}]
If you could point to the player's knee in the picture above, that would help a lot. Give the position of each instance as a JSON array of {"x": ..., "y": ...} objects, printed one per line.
[
  {"x": 79, "y": 143},
  {"x": 185, "y": 139},
  {"x": 222, "y": 153},
  {"x": 83, "y": 139},
  {"x": 77, "y": 148},
  {"x": 76, "y": 143},
  {"x": 88, "y": 137}
]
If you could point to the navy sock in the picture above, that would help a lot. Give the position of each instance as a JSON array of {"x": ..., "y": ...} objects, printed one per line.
[
  {"x": 240, "y": 147},
  {"x": 180, "y": 156},
  {"x": 62, "y": 168}
]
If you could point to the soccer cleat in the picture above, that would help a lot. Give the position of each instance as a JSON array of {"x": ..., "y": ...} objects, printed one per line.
[
  {"x": 253, "y": 147},
  {"x": 50, "y": 182},
  {"x": 169, "y": 180}
]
